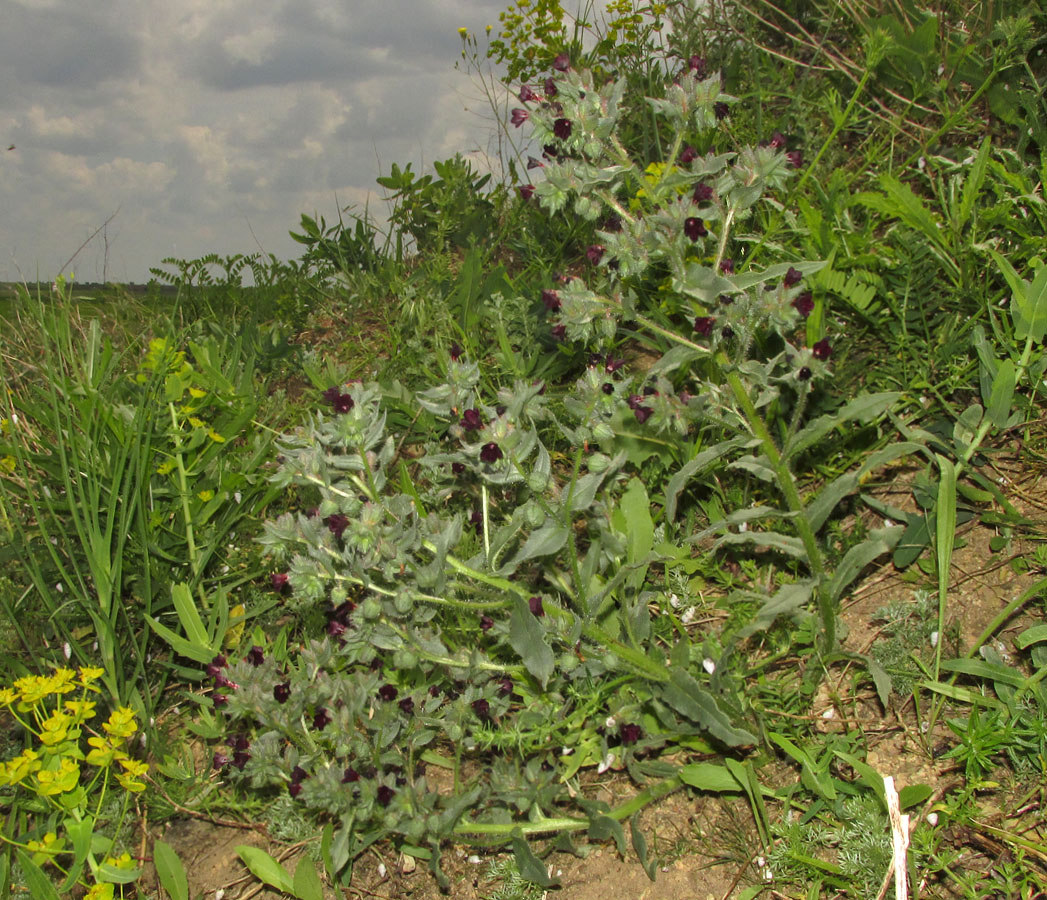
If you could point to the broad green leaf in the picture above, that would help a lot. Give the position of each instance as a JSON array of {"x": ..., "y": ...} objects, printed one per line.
[
  {"x": 306, "y": 882},
  {"x": 530, "y": 866},
  {"x": 911, "y": 544},
  {"x": 989, "y": 671},
  {"x": 530, "y": 641},
  {"x": 690, "y": 699},
  {"x": 116, "y": 875},
  {"x": 650, "y": 864},
  {"x": 769, "y": 540},
  {"x": 266, "y": 869},
  {"x": 40, "y": 886},
  {"x": 1002, "y": 394},
  {"x": 707, "y": 776},
  {"x": 633, "y": 519},
  {"x": 786, "y": 601},
  {"x": 863, "y": 408},
  {"x": 913, "y": 794},
  {"x": 544, "y": 541},
  {"x": 814, "y": 779},
  {"x": 962, "y": 694},
  {"x": 859, "y": 556},
  {"x": 945, "y": 522},
  {"x": 80, "y": 833},
  {"x": 972, "y": 185},
  {"x": 693, "y": 467},
  {"x": 170, "y": 871},
  {"x": 1031, "y": 636},
  {"x": 604, "y": 828},
  {"x": 866, "y": 774}
]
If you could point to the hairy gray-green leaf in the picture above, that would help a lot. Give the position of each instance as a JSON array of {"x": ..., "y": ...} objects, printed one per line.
[
  {"x": 530, "y": 641},
  {"x": 684, "y": 694}
]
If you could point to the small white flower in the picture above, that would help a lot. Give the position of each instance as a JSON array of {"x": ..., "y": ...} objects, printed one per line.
[
  {"x": 382, "y": 870},
  {"x": 688, "y": 615},
  {"x": 743, "y": 527},
  {"x": 708, "y": 665},
  {"x": 219, "y": 894},
  {"x": 887, "y": 523},
  {"x": 829, "y": 713},
  {"x": 567, "y": 751},
  {"x": 14, "y": 418},
  {"x": 67, "y": 651},
  {"x": 941, "y": 70},
  {"x": 59, "y": 588},
  {"x": 474, "y": 859},
  {"x": 237, "y": 496},
  {"x": 605, "y": 763},
  {"x": 610, "y": 723},
  {"x": 934, "y": 638},
  {"x": 932, "y": 819},
  {"x": 921, "y": 163},
  {"x": 675, "y": 602}
]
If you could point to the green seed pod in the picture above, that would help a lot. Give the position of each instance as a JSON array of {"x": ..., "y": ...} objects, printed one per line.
[{"x": 371, "y": 608}]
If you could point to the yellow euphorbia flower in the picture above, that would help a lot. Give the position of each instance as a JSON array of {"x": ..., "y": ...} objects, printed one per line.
[
  {"x": 32, "y": 689},
  {"x": 80, "y": 710},
  {"x": 101, "y": 891},
  {"x": 121, "y": 724},
  {"x": 47, "y": 849},
  {"x": 104, "y": 752},
  {"x": 61, "y": 781},
  {"x": 8, "y": 696},
  {"x": 55, "y": 728},
  {"x": 13, "y": 771},
  {"x": 133, "y": 769},
  {"x": 90, "y": 674}
]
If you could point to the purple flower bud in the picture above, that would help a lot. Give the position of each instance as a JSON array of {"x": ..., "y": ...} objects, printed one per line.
[
  {"x": 337, "y": 524},
  {"x": 551, "y": 299},
  {"x": 550, "y": 88},
  {"x": 727, "y": 332},
  {"x": 331, "y": 394},
  {"x": 240, "y": 742},
  {"x": 482, "y": 709},
  {"x": 384, "y": 795},
  {"x": 792, "y": 277},
  {"x": 406, "y": 706},
  {"x": 595, "y": 253},
  {"x": 294, "y": 789},
  {"x": 822, "y": 350},
  {"x": 336, "y": 628},
  {"x": 694, "y": 228},
  {"x": 434, "y": 690},
  {"x": 255, "y": 656},
  {"x": 721, "y": 109},
  {"x": 280, "y": 581},
  {"x": 220, "y": 681},
  {"x": 804, "y": 304},
  {"x": 214, "y": 668},
  {"x": 562, "y": 128},
  {"x": 702, "y": 192},
  {"x": 559, "y": 332},
  {"x": 322, "y": 719},
  {"x": 455, "y": 351},
  {"x": 219, "y": 700},
  {"x": 457, "y": 468},
  {"x": 630, "y": 734},
  {"x": 703, "y": 325},
  {"x": 486, "y": 623},
  {"x": 350, "y": 776},
  {"x": 477, "y": 520},
  {"x": 688, "y": 155},
  {"x": 519, "y": 116},
  {"x": 607, "y": 388},
  {"x": 282, "y": 691},
  {"x": 471, "y": 420},
  {"x": 527, "y": 95},
  {"x": 490, "y": 452},
  {"x": 526, "y": 191},
  {"x": 387, "y": 692},
  {"x": 562, "y": 62},
  {"x": 612, "y": 365},
  {"x": 534, "y": 163},
  {"x": 343, "y": 403},
  {"x": 505, "y": 687},
  {"x": 777, "y": 140},
  {"x": 804, "y": 374},
  {"x": 240, "y": 759},
  {"x": 795, "y": 158},
  {"x": 535, "y": 604},
  {"x": 727, "y": 266},
  {"x": 220, "y": 761},
  {"x": 643, "y": 413},
  {"x": 697, "y": 65}
]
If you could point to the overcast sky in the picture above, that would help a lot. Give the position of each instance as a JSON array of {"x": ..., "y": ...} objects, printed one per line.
[{"x": 211, "y": 125}]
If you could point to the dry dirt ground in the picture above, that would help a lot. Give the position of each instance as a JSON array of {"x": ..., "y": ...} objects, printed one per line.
[{"x": 706, "y": 845}]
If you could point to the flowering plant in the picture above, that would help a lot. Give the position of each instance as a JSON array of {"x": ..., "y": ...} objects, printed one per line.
[{"x": 59, "y": 794}]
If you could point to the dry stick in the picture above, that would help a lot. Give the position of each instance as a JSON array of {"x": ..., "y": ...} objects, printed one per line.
[
  {"x": 88, "y": 241},
  {"x": 196, "y": 814}
]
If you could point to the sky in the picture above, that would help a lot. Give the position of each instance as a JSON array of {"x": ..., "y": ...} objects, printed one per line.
[{"x": 210, "y": 126}]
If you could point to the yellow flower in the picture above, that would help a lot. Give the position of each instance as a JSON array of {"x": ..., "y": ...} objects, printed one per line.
[
  {"x": 197, "y": 423},
  {"x": 8, "y": 696},
  {"x": 100, "y": 891},
  {"x": 55, "y": 728},
  {"x": 47, "y": 849},
  {"x": 62, "y": 682},
  {"x": 104, "y": 752},
  {"x": 133, "y": 769},
  {"x": 197, "y": 393},
  {"x": 80, "y": 710},
  {"x": 205, "y": 495},
  {"x": 165, "y": 468},
  {"x": 123, "y": 861},
  {"x": 90, "y": 674},
  {"x": 121, "y": 724},
  {"x": 20, "y": 767},
  {"x": 215, "y": 436},
  {"x": 61, "y": 781},
  {"x": 32, "y": 689}
]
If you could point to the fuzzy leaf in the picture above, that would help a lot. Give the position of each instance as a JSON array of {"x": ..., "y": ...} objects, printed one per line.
[
  {"x": 864, "y": 408},
  {"x": 529, "y": 640},
  {"x": 704, "y": 460},
  {"x": 306, "y": 882},
  {"x": 266, "y": 869},
  {"x": 170, "y": 871},
  {"x": 859, "y": 556},
  {"x": 786, "y": 601},
  {"x": 707, "y": 776},
  {"x": 544, "y": 541},
  {"x": 530, "y": 866},
  {"x": 768, "y": 540},
  {"x": 650, "y": 864},
  {"x": 1002, "y": 394},
  {"x": 690, "y": 699}
]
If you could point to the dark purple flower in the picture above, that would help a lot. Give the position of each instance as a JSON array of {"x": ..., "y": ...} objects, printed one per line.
[
  {"x": 486, "y": 623},
  {"x": 721, "y": 109},
  {"x": 220, "y": 681},
  {"x": 822, "y": 350},
  {"x": 551, "y": 299},
  {"x": 240, "y": 759},
  {"x": 336, "y": 629},
  {"x": 387, "y": 692},
  {"x": 477, "y": 520},
  {"x": 343, "y": 403},
  {"x": 471, "y": 420},
  {"x": 505, "y": 687},
  {"x": 331, "y": 394},
  {"x": 279, "y": 580},
  {"x": 343, "y": 611},
  {"x": 482, "y": 709},
  {"x": 298, "y": 775},
  {"x": 455, "y": 351},
  {"x": 630, "y": 734},
  {"x": 727, "y": 266},
  {"x": 490, "y": 452},
  {"x": 535, "y": 604},
  {"x": 559, "y": 332},
  {"x": 255, "y": 656},
  {"x": 727, "y": 332},
  {"x": 219, "y": 700},
  {"x": 804, "y": 374},
  {"x": 350, "y": 776},
  {"x": 702, "y": 192},
  {"x": 595, "y": 253},
  {"x": 519, "y": 116},
  {"x": 688, "y": 155},
  {"x": 643, "y": 413},
  {"x": 562, "y": 62},
  {"x": 384, "y": 795},
  {"x": 795, "y": 158},
  {"x": 214, "y": 668},
  {"x": 777, "y": 140},
  {"x": 612, "y": 365},
  {"x": 562, "y": 128},
  {"x": 550, "y": 88},
  {"x": 694, "y": 228},
  {"x": 434, "y": 690},
  {"x": 282, "y": 691},
  {"x": 322, "y": 719},
  {"x": 703, "y": 325},
  {"x": 633, "y": 400},
  {"x": 294, "y": 788},
  {"x": 240, "y": 742},
  {"x": 534, "y": 163},
  {"x": 406, "y": 706},
  {"x": 607, "y": 388},
  {"x": 804, "y": 304},
  {"x": 792, "y": 277},
  {"x": 527, "y": 94},
  {"x": 526, "y": 191},
  {"x": 220, "y": 760},
  {"x": 457, "y": 468},
  {"x": 697, "y": 65},
  {"x": 337, "y": 523}
]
